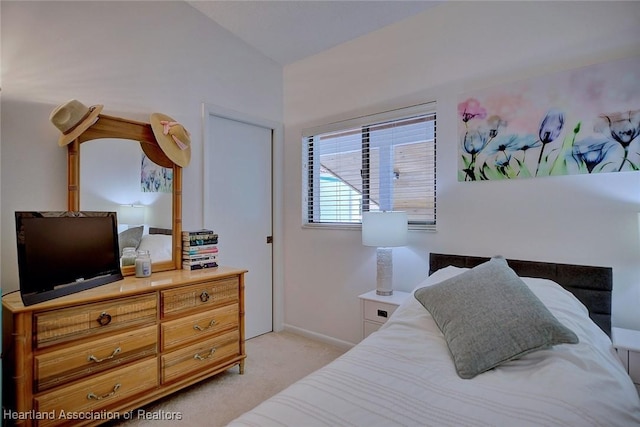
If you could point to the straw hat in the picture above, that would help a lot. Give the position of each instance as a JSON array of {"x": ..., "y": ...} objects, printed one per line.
[
  {"x": 173, "y": 138},
  {"x": 155, "y": 154},
  {"x": 72, "y": 118}
]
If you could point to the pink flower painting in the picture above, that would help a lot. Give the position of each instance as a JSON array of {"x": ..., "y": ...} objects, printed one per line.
[{"x": 581, "y": 121}]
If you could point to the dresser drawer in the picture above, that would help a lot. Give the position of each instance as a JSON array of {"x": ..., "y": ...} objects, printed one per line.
[
  {"x": 98, "y": 392},
  {"x": 65, "y": 324},
  {"x": 378, "y": 311},
  {"x": 200, "y": 357},
  {"x": 205, "y": 294},
  {"x": 70, "y": 363},
  {"x": 370, "y": 327},
  {"x": 634, "y": 366},
  {"x": 199, "y": 326}
]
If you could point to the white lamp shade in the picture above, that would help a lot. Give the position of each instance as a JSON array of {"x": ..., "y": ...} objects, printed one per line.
[
  {"x": 131, "y": 214},
  {"x": 384, "y": 229}
]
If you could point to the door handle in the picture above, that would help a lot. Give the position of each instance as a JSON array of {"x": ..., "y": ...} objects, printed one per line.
[{"x": 269, "y": 239}]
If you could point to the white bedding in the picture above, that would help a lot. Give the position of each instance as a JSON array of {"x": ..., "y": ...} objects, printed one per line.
[
  {"x": 158, "y": 245},
  {"x": 403, "y": 375}
]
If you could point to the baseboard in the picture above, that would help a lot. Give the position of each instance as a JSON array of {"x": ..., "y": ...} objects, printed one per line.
[{"x": 345, "y": 345}]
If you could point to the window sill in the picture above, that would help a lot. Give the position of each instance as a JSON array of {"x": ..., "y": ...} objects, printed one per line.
[{"x": 358, "y": 227}]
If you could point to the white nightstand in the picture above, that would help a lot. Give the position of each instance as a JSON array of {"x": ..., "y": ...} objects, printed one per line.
[
  {"x": 376, "y": 309},
  {"x": 627, "y": 344}
]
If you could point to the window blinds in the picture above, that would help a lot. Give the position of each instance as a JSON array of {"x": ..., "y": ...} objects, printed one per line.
[{"x": 381, "y": 162}]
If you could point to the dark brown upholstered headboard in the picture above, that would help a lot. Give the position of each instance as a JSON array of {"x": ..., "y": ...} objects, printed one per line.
[
  {"x": 591, "y": 285},
  {"x": 156, "y": 230}
]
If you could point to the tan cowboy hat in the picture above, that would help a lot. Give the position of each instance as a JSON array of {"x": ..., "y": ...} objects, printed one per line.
[
  {"x": 72, "y": 118},
  {"x": 173, "y": 138}
]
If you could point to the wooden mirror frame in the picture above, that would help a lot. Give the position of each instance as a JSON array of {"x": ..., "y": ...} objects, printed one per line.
[{"x": 115, "y": 127}]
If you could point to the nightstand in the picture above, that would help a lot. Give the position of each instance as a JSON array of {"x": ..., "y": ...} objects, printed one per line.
[
  {"x": 627, "y": 344},
  {"x": 376, "y": 309}
]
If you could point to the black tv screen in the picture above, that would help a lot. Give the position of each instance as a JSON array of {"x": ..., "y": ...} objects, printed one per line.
[{"x": 60, "y": 253}]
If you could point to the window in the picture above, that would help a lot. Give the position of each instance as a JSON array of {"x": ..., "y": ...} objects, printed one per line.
[{"x": 380, "y": 162}]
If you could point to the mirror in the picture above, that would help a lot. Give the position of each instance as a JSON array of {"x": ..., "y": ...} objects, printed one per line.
[{"x": 107, "y": 171}]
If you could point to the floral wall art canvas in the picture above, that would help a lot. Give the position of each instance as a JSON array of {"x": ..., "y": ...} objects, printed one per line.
[
  {"x": 154, "y": 178},
  {"x": 581, "y": 121}
]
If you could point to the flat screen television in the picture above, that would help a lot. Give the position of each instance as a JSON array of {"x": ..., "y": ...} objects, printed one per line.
[{"x": 61, "y": 253}]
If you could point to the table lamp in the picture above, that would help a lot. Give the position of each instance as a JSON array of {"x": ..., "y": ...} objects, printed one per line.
[
  {"x": 131, "y": 215},
  {"x": 384, "y": 230}
]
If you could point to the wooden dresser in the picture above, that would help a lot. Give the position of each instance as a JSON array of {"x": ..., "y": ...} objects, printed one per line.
[{"x": 100, "y": 353}]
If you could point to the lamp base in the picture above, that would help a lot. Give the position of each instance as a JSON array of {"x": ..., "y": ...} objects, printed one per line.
[{"x": 384, "y": 277}]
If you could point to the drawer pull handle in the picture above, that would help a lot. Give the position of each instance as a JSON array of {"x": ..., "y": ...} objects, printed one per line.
[
  {"x": 383, "y": 313},
  {"x": 204, "y": 296},
  {"x": 104, "y": 319},
  {"x": 200, "y": 328},
  {"x": 92, "y": 358},
  {"x": 208, "y": 356},
  {"x": 93, "y": 396}
]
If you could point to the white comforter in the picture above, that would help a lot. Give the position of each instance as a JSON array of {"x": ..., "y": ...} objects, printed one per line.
[{"x": 403, "y": 375}]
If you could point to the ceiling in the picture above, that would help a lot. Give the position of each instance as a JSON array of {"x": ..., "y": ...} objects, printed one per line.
[{"x": 288, "y": 31}]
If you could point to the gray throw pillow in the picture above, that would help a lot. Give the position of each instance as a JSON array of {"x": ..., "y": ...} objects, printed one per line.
[
  {"x": 489, "y": 316},
  {"x": 130, "y": 238}
]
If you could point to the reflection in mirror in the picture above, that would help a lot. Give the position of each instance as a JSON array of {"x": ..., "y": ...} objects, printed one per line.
[{"x": 116, "y": 176}]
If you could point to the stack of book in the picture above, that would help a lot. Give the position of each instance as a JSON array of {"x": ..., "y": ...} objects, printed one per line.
[{"x": 199, "y": 249}]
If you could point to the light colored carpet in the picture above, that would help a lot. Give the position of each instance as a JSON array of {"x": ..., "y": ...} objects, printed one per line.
[{"x": 274, "y": 361}]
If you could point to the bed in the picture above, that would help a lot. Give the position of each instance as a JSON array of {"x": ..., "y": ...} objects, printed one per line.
[
  {"x": 409, "y": 372},
  {"x": 158, "y": 241}
]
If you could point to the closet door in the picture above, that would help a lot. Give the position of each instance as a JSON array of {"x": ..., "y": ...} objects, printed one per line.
[{"x": 238, "y": 206}]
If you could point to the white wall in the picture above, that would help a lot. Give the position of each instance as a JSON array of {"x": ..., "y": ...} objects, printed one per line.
[
  {"x": 448, "y": 50},
  {"x": 135, "y": 58}
]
